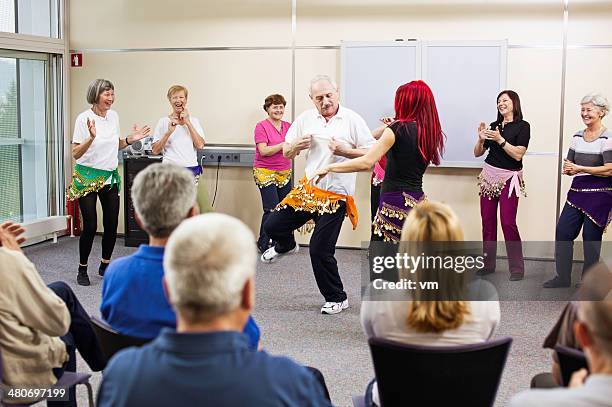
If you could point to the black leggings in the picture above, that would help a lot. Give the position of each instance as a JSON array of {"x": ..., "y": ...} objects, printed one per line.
[{"x": 109, "y": 198}]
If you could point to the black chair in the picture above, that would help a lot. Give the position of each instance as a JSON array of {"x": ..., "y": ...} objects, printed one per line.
[
  {"x": 112, "y": 341},
  {"x": 570, "y": 360},
  {"x": 67, "y": 380},
  {"x": 466, "y": 375}
]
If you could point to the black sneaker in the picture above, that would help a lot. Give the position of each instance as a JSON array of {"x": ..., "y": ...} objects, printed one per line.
[
  {"x": 557, "y": 282},
  {"x": 102, "y": 268},
  {"x": 82, "y": 277}
]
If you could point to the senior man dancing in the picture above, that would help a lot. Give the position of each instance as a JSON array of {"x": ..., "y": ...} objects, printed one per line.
[{"x": 330, "y": 133}]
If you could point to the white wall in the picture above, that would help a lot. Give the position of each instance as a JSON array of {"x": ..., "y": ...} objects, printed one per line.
[{"x": 227, "y": 87}]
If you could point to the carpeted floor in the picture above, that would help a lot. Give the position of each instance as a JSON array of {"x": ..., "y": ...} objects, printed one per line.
[{"x": 287, "y": 310}]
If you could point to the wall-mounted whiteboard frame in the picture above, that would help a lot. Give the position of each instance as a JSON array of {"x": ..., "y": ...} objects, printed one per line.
[
  {"x": 479, "y": 72},
  {"x": 372, "y": 72},
  {"x": 366, "y": 87}
]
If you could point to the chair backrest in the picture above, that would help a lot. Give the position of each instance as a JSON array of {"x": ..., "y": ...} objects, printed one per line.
[
  {"x": 570, "y": 360},
  {"x": 438, "y": 376},
  {"x": 112, "y": 341}
]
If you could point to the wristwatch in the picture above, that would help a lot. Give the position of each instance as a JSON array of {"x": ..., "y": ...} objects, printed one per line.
[{"x": 503, "y": 144}]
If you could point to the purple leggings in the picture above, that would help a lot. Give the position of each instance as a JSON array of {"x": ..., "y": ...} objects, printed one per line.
[{"x": 488, "y": 212}]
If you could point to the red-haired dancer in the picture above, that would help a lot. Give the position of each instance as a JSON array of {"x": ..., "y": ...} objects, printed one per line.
[
  {"x": 411, "y": 142},
  {"x": 501, "y": 181}
]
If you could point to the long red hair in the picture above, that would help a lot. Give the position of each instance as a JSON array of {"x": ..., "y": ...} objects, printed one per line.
[{"x": 414, "y": 102}]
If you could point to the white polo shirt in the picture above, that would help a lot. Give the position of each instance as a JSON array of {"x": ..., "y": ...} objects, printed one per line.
[
  {"x": 346, "y": 127},
  {"x": 179, "y": 149},
  {"x": 102, "y": 153}
]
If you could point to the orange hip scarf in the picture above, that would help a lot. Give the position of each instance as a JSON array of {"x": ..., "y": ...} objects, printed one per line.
[{"x": 306, "y": 197}]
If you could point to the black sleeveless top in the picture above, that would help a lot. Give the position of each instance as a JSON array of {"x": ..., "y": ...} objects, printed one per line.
[{"x": 405, "y": 166}]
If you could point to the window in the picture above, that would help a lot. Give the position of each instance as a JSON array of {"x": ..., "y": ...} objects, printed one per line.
[
  {"x": 28, "y": 145},
  {"x": 33, "y": 154},
  {"x": 31, "y": 17}
]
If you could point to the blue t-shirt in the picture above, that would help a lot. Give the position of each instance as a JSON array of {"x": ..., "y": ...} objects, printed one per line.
[
  {"x": 212, "y": 369},
  {"x": 133, "y": 299}
]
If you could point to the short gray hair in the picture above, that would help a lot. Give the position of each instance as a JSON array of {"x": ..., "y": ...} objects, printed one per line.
[
  {"x": 96, "y": 88},
  {"x": 597, "y": 315},
  {"x": 598, "y": 100},
  {"x": 208, "y": 260},
  {"x": 162, "y": 195},
  {"x": 322, "y": 78}
]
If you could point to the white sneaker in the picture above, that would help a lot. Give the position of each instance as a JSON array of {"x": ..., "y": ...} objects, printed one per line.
[
  {"x": 271, "y": 255},
  {"x": 334, "y": 307}
]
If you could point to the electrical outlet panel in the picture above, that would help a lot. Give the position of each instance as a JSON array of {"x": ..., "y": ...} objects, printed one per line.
[{"x": 230, "y": 156}]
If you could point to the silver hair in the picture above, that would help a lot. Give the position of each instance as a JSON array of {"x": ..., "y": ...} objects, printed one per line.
[
  {"x": 322, "y": 78},
  {"x": 162, "y": 195},
  {"x": 208, "y": 260},
  {"x": 96, "y": 88},
  {"x": 598, "y": 100},
  {"x": 597, "y": 315}
]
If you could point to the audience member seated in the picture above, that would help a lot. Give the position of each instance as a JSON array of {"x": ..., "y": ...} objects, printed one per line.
[
  {"x": 133, "y": 300},
  {"x": 209, "y": 279},
  {"x": 593, "y": 330},
  {"x": 562, "y": 333},
  {"x": 432, "y": 317},
  {"x": 40, "y": 326}
]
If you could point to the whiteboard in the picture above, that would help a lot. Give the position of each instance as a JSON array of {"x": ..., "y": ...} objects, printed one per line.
[
  {"x": 465, "y": 77},
  {"x": 372, "y": 72}
]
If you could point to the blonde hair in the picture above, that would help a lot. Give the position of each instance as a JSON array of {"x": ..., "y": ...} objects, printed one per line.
[
  {"x": 176, "y": 88},
  {"x": 434, "y": 311}
]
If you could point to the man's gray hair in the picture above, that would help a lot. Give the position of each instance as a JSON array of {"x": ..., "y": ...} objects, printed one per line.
[
  {"x": 322, "y": 78},
  {"x": 96, "y": 88},
  {"x": 598, "y": 100},
  {"x": 597, "y": 315},
  {"x": 162, "y": 195},
  {"x": 208, "y": 260}
]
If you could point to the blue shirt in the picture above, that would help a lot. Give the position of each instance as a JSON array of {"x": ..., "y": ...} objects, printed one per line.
[
  {"x": 133, "y": 299},
  {"x": 212, "y": 369}
]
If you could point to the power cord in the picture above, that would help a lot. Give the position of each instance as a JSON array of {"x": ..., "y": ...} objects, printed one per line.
[{"x": 216, "y": 180}]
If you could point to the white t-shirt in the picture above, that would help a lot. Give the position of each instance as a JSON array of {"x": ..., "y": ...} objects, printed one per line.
[
  {"x": 102, "y": 153},
  {"x": 346, "y": 127},
  {"x": 387, "y": 320},
  {"x": 179, "y": 149}
]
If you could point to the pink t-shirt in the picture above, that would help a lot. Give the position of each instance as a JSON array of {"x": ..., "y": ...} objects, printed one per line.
[{"x": 265, "y": 132}]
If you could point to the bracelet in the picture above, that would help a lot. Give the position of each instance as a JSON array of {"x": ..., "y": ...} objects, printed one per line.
[
  {"x": 503, "y": 144},
  {"x": 127, "y": 142}
]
